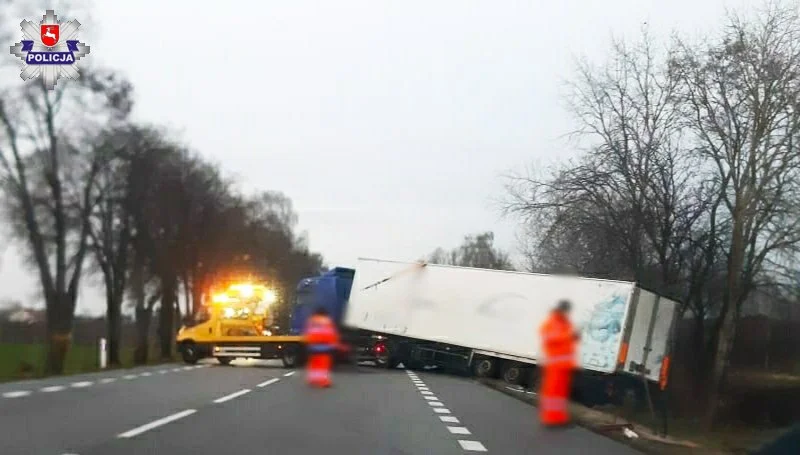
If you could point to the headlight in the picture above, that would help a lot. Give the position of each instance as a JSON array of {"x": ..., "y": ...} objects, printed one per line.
[{"x": 228, "y": 312}]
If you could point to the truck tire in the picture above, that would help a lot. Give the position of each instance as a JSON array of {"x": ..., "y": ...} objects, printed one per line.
[
  {"x": 289, "y": 358},
  {"x": 225, "y": 360},
  {"x": 512, "y": 373},
  {"x": 484, "y": 368},
  {"x": 189, "y": 353}
]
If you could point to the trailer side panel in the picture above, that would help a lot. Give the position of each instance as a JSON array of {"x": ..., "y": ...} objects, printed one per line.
[{"x": 486, "y": 309}]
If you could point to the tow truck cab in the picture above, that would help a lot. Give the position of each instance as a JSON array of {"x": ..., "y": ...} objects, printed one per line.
[{"x": 331, "y": 291}]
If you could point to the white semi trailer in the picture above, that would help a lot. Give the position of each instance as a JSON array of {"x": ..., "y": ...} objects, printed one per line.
[{"x": 487, "y": 321}]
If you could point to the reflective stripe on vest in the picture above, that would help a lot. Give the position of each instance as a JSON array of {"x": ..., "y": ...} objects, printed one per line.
[
  {"x": 559, "y": 358},
  {"x": 321, "y": 347},
  {"x": 553, "y": 404},
  {"x": 317, "y": 374}
]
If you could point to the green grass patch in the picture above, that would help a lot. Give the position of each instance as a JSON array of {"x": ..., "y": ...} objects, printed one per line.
[{"x": 24, "y": 361}]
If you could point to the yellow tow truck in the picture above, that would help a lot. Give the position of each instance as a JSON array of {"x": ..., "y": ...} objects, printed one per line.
[{"x": 237, "y": 323}]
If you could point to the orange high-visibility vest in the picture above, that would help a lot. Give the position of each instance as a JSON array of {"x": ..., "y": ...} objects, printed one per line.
[
  {"x": 558, "y": 342},
  {"x": 321, "y": 334}
]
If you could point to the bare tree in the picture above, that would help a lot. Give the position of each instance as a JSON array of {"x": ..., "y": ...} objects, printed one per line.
[
  {"x": 49, "y": 180},
  {"x": 742, "y": 96},
  {"x": 476, "y": 251},
  {"x": 111, "y": 227},
  {"x": 627, "y": 207}
]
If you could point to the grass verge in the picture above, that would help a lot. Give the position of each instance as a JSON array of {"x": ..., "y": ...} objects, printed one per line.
[
  {"x": 685, "y": 437},
  {"x": 25, "y": 361}
]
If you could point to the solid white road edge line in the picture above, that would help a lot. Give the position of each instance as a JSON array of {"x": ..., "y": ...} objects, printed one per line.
[
  {"x": 17, "y": 394},
  {"x": 266, "y": 383},
  {"x": 156, "y": 423},
  {"x": 231, "y": 396}
]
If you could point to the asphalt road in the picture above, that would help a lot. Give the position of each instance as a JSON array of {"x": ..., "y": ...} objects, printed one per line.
[{"x": 258, "y": 407}]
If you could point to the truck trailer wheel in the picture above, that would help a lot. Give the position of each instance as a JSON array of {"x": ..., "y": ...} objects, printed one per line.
[
  {"x": 484, "y": 368},
  {"x": 189, "y": 353},
  {"x": 512, "y": 373},
  {"x": 225, "y": 360}
]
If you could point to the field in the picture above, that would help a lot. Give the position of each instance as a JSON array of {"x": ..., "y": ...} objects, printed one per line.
[{"x": 23, "y": 361}]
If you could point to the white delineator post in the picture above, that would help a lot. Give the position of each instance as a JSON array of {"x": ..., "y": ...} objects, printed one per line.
[{"x": 103, "y": 352}]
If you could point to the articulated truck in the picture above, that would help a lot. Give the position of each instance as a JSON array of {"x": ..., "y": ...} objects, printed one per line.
[{"x": 485, "y": 322}]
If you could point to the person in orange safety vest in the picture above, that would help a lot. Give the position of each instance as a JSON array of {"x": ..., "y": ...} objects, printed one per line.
[
  {"x": 321, "y": 340},
  {"x": 559, "y": 343}
]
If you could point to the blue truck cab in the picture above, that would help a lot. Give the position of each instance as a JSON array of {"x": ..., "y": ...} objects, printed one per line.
[{"x": 331, "y": 291}]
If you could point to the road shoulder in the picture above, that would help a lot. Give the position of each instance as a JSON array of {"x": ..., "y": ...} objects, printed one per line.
[{"x": 610, "y": 426}]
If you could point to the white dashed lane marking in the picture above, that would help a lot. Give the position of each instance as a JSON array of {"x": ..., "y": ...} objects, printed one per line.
[
  {"x": 52, "y": 388},
  {"x": 438, "y": 408},
  {"x": 472, "y": 446},
  {"x": 84, "y": 384},
  {"x": 289, "y": 374},
  {"x": 232, "y": 396},
  {"x": 17, "y": 394},
  {"x": 156, "y": 423},
  {"x": 266, "y": 383}
]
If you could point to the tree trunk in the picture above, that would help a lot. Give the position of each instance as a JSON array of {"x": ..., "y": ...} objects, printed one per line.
[
  {"x": 167, "y": 315},
  {"x": 187, "y": 294},
  {"x": 143, "y": 317},
  {"x": 113, "y": 316},
  {"x": 197, "y": 292},
  {"x": 727, "y": 330},
  {"x": 59, "y": 333},
  {"x": 142, "y": 312}
]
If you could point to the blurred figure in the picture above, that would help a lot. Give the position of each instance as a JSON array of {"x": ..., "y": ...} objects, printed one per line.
[
  {"x": 559, "y": 343},
  {"x": 321, "y": 339}
]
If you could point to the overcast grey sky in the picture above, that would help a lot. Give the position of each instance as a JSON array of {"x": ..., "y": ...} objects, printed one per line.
[{"x": 389, "y": 124}]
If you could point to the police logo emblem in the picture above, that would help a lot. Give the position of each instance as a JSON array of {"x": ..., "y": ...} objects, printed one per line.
[{"x": 52, "y": 51}]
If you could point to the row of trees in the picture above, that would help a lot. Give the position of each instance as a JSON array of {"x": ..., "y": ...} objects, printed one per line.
[
  {"x": 689, "y": 182},
  {"x": 476, "y": 250},
  {"x": 86, "y": 189}
]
